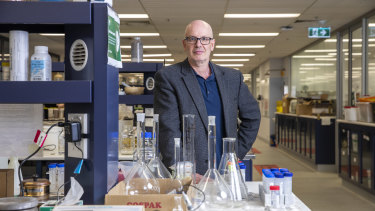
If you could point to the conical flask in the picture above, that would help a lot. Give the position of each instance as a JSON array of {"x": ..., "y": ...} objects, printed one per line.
[
  {"x": 155, "y": 165},
  {"x": 188, "y": 147},
  {"x": 140, "y": 179},
  {"x": 230, "y": 170},
  {"x": 217, "y": 193}
]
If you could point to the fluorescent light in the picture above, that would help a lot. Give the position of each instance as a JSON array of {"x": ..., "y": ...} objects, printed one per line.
[
  {"x": 357, "y": 45},
  {"x": 52, "y": 34},
  {"x": 234, "y": 54},
  {"x": 371, "y": 24},
  {"x": 275, "y": 15},
  {"x": 157, "y": 55},
  {"x": 151, "y": 60},
  {"x": 312, "y": 56},
  {"x": 302, "y": 72},
  {"x": 320, "y": 50},
  {"x": 167, "y": 64},
  {"x": 231, "y": 65},
  {"x": 240, "y": 46},
  {"x": 371, "y": 64},
  {"x": 318, "y": 64},
  {"x": 6, "y": 54},
  {"x": 248, "y": 34},
  {"x": 325, "y": 59},
  {"x": 132, "y": 16},
  {"x": 139, "y": 34},
  {"x": 230, "y": 60},
  {"x": 309, "y": 68},
  {"x": 146, "y": 46}
]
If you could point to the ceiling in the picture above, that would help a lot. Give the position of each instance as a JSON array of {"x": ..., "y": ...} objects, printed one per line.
[{"x": 170, "y": 17}]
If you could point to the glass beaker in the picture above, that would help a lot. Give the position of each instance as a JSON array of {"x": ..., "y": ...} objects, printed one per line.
[
  {"x": 188, "y": 147},
  {"x": 230, "y": 170},
  {"x": 156, "y": 166},
  {"x": 140, "y": 179},
  {"x": 217, "y": 193}
]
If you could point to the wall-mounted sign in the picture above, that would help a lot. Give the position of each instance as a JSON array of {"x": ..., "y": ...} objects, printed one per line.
[{"x": 319, "y": 32}]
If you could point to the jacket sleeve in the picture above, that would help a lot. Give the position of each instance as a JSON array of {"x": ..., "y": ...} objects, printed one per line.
[
  {"x": 165, "y": 104},
  {"x": 249, "y": 114}
]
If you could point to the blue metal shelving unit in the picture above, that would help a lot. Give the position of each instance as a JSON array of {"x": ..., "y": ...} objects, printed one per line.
[{"x": 93, "y": 90}]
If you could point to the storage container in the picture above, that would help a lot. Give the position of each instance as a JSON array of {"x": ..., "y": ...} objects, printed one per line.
[{"x": 366, "y": 111}]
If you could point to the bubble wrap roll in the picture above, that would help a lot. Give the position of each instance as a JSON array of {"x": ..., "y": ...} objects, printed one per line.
[{"x": 19, "y": 55}]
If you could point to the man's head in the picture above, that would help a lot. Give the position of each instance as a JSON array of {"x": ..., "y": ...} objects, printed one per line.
[{"x": 197, "y": 52}]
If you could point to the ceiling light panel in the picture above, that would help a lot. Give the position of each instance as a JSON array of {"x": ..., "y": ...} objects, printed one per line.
[
  {"x": 271, "y": 15},
  {"x": 230, "y": 60},
  {"x": 235, "y": 54}
]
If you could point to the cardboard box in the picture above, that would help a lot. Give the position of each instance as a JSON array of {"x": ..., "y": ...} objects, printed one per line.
[
  {"x": 304, "y": 108},
  {"x": 6, "y": 183},
  {"x": 286, "y": 103},
  {"x": 151, "y": 202}
]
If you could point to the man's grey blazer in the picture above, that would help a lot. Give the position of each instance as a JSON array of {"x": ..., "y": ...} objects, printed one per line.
[{"x": 177, "y": 92}]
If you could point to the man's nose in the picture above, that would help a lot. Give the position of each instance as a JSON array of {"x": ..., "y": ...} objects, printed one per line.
[{"x": 198, "y": 43}]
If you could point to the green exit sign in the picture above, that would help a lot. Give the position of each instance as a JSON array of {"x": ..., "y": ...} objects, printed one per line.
[{"x": 319, "y": 32}]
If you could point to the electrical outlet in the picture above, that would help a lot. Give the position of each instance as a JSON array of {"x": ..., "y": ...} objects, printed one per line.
[
  {"x": 83, "y": 118},
  {"x": 74, "y": 152}
]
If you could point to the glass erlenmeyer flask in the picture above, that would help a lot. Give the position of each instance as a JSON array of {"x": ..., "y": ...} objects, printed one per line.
[
  {"x": 217, "y": 193},
  {"x": 140, "y": 179},
  {"x": 188, "y": 147},
  {"x": 155, "y": 165},
  {"x": 230, "y": 170}
]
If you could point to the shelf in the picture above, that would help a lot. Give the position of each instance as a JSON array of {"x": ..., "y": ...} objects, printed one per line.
[
  {"x": 134, "y": 67},
  {"x": 42, "y": 16},
  {"x": 136, "y": 99},
  {"x": 46, "y": 92},
  {"x": 305, "y": 116},
  {"x": 369, "y": 124}
]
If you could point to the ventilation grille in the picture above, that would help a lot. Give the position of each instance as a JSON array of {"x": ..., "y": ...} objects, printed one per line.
[{"x": 78, "y": 55}]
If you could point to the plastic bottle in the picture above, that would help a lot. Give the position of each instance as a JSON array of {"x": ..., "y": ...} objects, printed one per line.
[
  {"x": 13, "y": 164},
  {"x": 41, "y": 65},
  {"x": 268, "y": 179},
  {"x": 279, "y": 181},
  {"x": 60, "y": 177},
  {"x": 136, "y": 50},
  {"x": 243, "y": 170},
  {"x": 61, "y": 143},
  {"x": 52, "y": 177},
  {"x": 288, "y": 182},
  {"x": 275, "y": 196}
]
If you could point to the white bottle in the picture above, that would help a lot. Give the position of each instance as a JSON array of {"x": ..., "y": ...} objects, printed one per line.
[
  {"x": 61, "y": 143},
  {"x": 52, "y": 171},
  {"x": 60, "y": 177},
  {"x": 13, "y": 164},
  {"x": 40, "y": 65}
]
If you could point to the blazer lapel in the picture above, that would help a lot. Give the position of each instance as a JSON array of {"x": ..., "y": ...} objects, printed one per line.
[
  {"x": 192, "y": 86},
  {"x": 223, "y": 89}
]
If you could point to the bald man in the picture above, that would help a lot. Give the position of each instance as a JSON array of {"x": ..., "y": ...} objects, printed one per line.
[{"x": 200, "y": 87}]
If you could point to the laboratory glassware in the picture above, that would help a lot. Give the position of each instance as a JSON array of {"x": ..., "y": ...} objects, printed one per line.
[
  {"x": 188, "y": 147},
  {"x": 155, "y": 165},
  {"x": 140, "y": 179},
  {"x": 217, "y": 193},
  {"x": 230, "y": 170}
]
